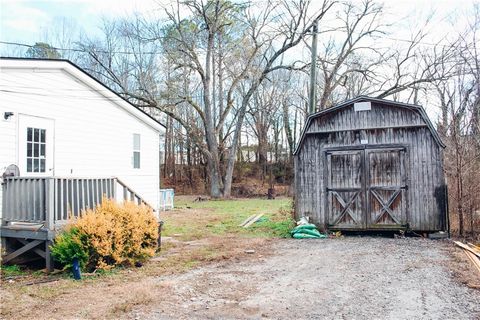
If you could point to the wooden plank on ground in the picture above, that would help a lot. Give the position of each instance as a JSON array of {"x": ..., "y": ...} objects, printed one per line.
[
  {"x": 258, "y": 216},
  {"x": 247, "y": 220},
  {"x": 474, "y": 247},
  {"x": 464, "y": 246},
  {"x": 475, "y": 260}
]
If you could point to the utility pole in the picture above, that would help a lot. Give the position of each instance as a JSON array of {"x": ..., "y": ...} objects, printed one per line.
[{"x": 313, "y": 71}]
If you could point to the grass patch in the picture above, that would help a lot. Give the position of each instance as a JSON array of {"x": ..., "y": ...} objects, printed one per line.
[
  {"x": 197, "y": 220},
  {"x": 8, "y": 271},
  {"x": 12, "y": 271}
]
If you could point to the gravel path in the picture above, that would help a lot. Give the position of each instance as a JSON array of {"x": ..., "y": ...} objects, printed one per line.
[{"x": 345, "y": 278}]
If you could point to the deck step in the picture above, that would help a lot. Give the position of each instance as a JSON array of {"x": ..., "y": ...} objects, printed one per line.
[
  {"x": 24, "y": 226},
  {"x": 15, "y": 231}
]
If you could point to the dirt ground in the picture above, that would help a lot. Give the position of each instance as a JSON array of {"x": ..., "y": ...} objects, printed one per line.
[
  {"x": 204, "y": 271},
  {"x": 344, "y": 278}
]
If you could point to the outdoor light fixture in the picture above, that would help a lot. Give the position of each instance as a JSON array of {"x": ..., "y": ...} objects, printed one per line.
[{"x": 7, "y": 115}]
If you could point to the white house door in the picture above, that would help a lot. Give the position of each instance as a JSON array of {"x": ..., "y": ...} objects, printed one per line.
[{"x": 35, "y": 146}]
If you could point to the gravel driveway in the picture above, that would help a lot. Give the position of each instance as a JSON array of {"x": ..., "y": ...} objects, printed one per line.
[{"x": 345, "y": 278}]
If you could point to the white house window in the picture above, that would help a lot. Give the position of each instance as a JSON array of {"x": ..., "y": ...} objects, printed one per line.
[
  {"x": 36, "y": 146},
  {"x": 136, "y": 151}
]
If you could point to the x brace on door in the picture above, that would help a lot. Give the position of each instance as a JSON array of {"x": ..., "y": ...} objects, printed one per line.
[
  {"x": 346, "y": 207},
  {"x": 386, "y": 205}
]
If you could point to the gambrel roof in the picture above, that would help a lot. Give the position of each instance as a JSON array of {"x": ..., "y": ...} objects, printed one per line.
[{"x": 384, "y": 102}]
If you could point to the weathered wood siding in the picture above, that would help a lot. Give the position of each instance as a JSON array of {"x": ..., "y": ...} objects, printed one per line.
[{"x": 383, "y": 125}]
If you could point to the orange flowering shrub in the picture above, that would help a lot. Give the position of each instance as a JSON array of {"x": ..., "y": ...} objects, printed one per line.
[{"x": 116, "y": 234}]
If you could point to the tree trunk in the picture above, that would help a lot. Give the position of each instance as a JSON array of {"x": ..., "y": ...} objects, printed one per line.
[
  {"x": 213, "y": 162},
  {"x": 181, "y": 150},
  {"x": 169, "y": 152},
  {"x": 458, "y": 175},
  {"x": 262, "y": 149},
  {"x": 220, "y": 84},
  {"x": 276, "y": 140},
  {"x": 288, "y": 129},
  {"x": 173, "y": 155},
  {"x": 232, "y": 155},
  {"x": 189, "y": 164}
]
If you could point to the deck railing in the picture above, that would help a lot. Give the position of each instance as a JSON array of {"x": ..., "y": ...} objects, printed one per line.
[
  {"x": 52, "y": 200},
  {"x": 25, "y": 199}
]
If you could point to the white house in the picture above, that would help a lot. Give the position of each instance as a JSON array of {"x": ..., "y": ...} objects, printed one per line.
[{"x": 58, "y": 121}]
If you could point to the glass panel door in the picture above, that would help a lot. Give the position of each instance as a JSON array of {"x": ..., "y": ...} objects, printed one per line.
[{"x": 35, "y": 146}]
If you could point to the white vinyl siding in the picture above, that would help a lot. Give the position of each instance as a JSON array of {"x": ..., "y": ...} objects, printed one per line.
[{"x": 90, "y": 129}]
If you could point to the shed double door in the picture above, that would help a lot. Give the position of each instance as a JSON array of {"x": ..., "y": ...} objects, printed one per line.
[{"x": 366, "y": 188}]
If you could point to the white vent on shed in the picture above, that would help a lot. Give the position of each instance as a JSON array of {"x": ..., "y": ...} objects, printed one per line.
[{"x": 362, "y": 106}]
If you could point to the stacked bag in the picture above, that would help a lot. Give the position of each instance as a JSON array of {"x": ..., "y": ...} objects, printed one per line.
[{"x": 306, "y": 230}]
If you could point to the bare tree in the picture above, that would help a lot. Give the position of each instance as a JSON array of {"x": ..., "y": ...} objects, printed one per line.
[
  {"x": 258, "y": 39},
  {"x": 294, "y": 24},
  {"x": 352, "y": 62},
  {"x": 459, "y": 98},
  {"x": 261, "y": 115},
  {"x": 359, "y": 25}
]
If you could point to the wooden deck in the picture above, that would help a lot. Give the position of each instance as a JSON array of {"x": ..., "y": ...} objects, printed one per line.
[{"x": 34, "y": 209}]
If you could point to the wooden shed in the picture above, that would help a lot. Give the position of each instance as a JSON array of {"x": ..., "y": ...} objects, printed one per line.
[{"x": 371, "y": 164}]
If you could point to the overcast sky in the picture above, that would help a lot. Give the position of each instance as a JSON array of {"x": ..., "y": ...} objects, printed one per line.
[{"x": 26, "y": 21}]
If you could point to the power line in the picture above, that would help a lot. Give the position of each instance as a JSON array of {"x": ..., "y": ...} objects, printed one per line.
[
  {"x": 62, "y": 95},
  {"x": 155, "y": 52},
  {"x": 76, "y": 50},
  {"x": 70, "y": 93}
]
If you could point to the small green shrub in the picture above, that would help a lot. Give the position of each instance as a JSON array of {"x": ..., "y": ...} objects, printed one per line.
[
  {"x": 110, "y": 235},
  {"x": 69, "y": 245}
]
